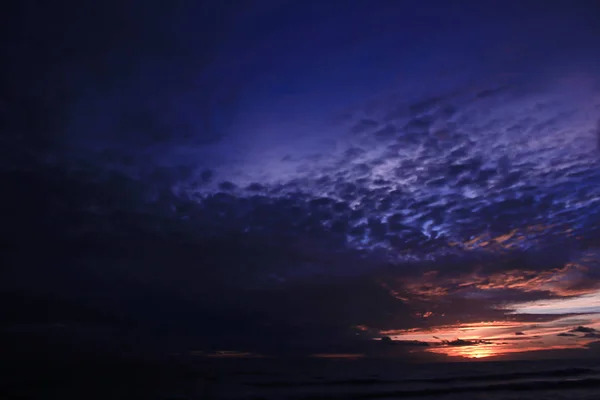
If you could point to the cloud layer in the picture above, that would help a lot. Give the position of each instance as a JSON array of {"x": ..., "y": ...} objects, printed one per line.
[{"x": 232, "y": 201}]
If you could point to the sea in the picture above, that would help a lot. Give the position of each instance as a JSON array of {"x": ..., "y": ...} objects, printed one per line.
[
  {"x": 300, "y": 379},
  {"x": 393, "y": 379}
]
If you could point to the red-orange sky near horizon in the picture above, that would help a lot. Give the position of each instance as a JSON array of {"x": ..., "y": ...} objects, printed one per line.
[{"x": 501, "y": 338}]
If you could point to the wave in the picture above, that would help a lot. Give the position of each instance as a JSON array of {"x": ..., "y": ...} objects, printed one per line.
[
  {"x": 558, "y": 373},
  {"x": 508, "y": 387}
]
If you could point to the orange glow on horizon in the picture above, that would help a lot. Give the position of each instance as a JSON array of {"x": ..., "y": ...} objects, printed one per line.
[
  {"x": 476, "y": 351},
  {"x": 492, "y": 350},
  {"x": 498, "y": 338}
]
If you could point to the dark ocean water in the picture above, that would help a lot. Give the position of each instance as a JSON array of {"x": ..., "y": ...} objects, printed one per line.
[
  {"x": 299, "y": 379},
  {"x": 390, "y": 379}
]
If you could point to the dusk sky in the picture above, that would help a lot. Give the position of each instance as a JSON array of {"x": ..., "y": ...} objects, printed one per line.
[{"x": 304, "y": 178}]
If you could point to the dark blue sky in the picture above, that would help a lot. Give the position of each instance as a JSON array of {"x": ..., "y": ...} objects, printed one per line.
[{"x": 320, "y": 172}]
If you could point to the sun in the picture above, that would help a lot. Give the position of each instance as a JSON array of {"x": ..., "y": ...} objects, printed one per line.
[
  {"x": 480, "y": 353},
  {"x": 474, "y": 352}
]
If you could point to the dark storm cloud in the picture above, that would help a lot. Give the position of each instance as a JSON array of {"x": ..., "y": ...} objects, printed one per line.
[{"x": 112, "y": 231}]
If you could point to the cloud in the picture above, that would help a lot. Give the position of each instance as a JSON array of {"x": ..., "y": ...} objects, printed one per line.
[
  {"x": 431, "y": 212},
  {"x": 388, "y": 341},
  {"x": 487, "y": 339},
  {"x": 585, "y": 303},
  {"x": 463, "y": 342},
  {"x": 583, "y": 329}
]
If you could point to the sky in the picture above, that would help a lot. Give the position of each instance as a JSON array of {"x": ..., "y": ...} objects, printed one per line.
[{"x": 304, "y": 178}]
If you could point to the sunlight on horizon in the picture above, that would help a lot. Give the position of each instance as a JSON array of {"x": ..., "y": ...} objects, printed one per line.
[
  {"x": 475, "y": 351},
  {"x": 498, "y": 338}
]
